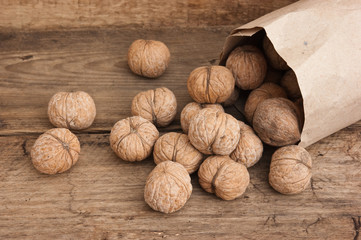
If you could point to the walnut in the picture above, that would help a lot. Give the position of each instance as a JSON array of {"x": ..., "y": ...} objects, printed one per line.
[
  {"x": 248, "y": 66},
  {"x": 168, "y": 187},
  {"x": 273, "y": 75},
  {"x": 224, "y": 177},
  {"x": 55, "y": 151},
  {"x": 148, "y": 58},
  {"x": 290, "y": 84},
  {"x": 214, "y": 132},
  {"x": 290, "y": 170},
  {"x": 191, "y": 109},
  {"x": 274, "y": 59},
  {"x": 258, "y": 95},
  {"x": 158, "y": 106},
  {"x": 300, "y": 112},
  {"x": 249, "y": 148},
  {"x": 73, "y": 110},
  {"x": 133, "y": 138},
  {"x": 233, "y": 98},
  {"x": 276, "y": 122},
  {"x": 176, "y": 147},
  {"x": 212, "y": 84}
]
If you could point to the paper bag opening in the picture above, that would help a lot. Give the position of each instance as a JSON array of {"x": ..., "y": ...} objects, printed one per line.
[{"x": 320, "y": 41}]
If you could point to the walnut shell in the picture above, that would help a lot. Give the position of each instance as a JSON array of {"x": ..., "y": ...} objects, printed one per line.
[
  {"x": 158, "y": 106},
  {"x": 168, "y": 187},
  {"x": 273, "y": 75},
  {"x": 249, "y": 148},
  {"x": 55, "y": 151},
  {"x": 274, "y": 59},
  {"x": 300, "y": 111},
  {"x": 290, "y": 170},
  {"x": 214, "y": 132},
  {"x": 290, "y": 84},
  {"x": 133, "y": 138},
  {"x": 73, "y": 110},
  {"x": 276, "y": 122},
  {"x": 233, "y": 98},
  {"x": 148, "y": 58},
  {"x": 258, "y": 95},
  {"x": 212, "y": 84},
  {"x": 248, "y": 66},
  {"x": 191, "y": 109},
  {"x": 224, "y": 177},
  {"x": 176, "y": 147}
]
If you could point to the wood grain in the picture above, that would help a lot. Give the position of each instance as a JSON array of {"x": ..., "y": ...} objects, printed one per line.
[
  {"x": 101, "y": 197},
  {"x": 35, "y": 66},
  {"x": 51, "y": 14}
]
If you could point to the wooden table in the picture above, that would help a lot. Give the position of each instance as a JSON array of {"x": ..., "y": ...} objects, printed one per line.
[{"x": 47, "y": 47}]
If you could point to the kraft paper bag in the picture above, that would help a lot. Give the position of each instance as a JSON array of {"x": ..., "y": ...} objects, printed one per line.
[{"x": 321, "y": 41}]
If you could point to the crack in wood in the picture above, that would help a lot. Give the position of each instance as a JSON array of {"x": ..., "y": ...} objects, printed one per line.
[
  {"x": 23, "y": 146},
  {"x": 313, "y": 189},
  {"x": 313, "y": 223},
  {"x": 355, "y": 155},
  {"x": 71, "y": 194},
  {"x": 27, "y": 57},
  {"x": 357, "y": 226},
  {"x": 271, "y": 217},
  {"x": 259, "y": 190}
]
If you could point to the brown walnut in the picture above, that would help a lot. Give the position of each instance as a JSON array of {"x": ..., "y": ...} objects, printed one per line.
[
  {"x": 212, "y": 84},
  {"x": 290, "y": 84},
  {"x": 214, "y": 132},
  {"x": 133, "y": 138},
  {"x": 55, "y": 151},
  {"x": 258, "y": 95},
  {"x": 191, "y": 109},
  {"x": 224, "y": 177},
  {"x": 276, "y": 122},
  {"x": 249, "y": 148},
  {"x": 158, "y": 106},
  {"x": 300, "y": 112},
  {"x": 176, "y": 147},
  {"x": 248, "y": 66},
  {"x": 148, "y": 58},
  {"x": 290, "y": 170},
  {"x": 72, "y": 110},
  {"x": 273, "y": 75},
  {"x": 233, "y": 98},
  {"x": 168, "y": 187},
  {"x": 274, "y": 59}
]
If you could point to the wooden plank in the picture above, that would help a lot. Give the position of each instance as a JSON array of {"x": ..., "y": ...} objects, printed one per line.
[
  {"x": 34, "y": 66},
  {"x": 50, "y": 14},
  {"x": 101, "y": 197}
]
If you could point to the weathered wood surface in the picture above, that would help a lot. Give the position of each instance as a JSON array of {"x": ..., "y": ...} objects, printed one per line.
[
  {"x": 34, "y": 66},
  {"x": 101, "y": 197},
  {"x": 65, "y": 14}
]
